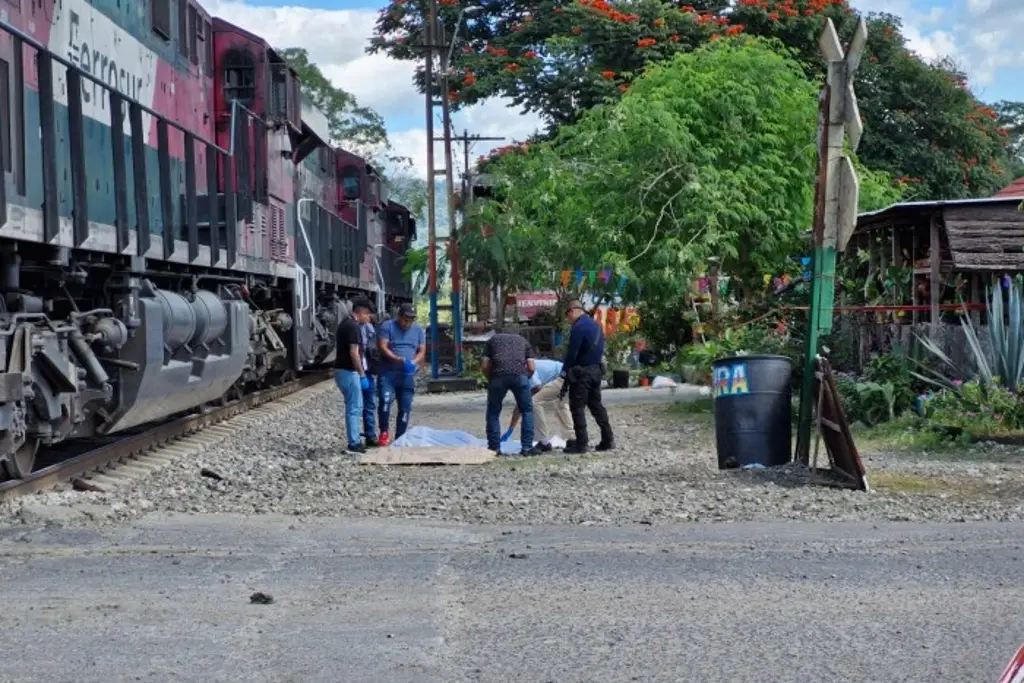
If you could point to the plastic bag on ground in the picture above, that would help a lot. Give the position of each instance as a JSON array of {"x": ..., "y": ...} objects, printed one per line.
[
  {"x": 421, "y": 436},
  {"x": 661, "y": 381}
]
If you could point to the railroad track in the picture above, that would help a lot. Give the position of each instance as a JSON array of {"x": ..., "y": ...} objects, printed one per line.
[{"x": 87, "y": 470}]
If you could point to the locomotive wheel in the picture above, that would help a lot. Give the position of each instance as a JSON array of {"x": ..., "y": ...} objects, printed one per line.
[
  {"x": 20, "y": 464},
  {"x": 232, "y": 394}
]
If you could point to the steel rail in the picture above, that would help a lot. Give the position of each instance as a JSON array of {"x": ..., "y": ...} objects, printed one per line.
[{"x": 129, "y": 448}]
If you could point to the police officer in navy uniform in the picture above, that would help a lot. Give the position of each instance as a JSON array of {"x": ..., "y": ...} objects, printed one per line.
[{"x": 583, "y": 370}]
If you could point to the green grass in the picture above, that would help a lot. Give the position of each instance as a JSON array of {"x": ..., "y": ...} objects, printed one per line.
[
  {"x": 702, "y": 406},
  {"x": 905, "y": 434}
]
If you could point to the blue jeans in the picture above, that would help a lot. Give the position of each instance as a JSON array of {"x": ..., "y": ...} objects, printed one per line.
[
  {"x": 370, "y": 409},
  {"x": 396, "y": 385},
  {"x": 348, "y": 383},
  {"x": 519, "y": 385}
]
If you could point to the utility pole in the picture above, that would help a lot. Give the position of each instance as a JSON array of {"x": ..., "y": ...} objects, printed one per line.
[
  {"x": 453, "y": 242},
  {"x": 835, "y": 205},
  {"x": 430, "y": 33},
  {"x": 449, "y": 179}
]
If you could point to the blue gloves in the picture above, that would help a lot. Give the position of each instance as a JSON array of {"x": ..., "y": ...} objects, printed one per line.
[
  {"x": 410, "y": 367},
  {"x": 507, "y": 435},
  {"x": 364, "y": 383}
]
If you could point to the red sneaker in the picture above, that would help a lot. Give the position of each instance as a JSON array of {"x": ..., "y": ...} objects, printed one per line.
[{"x": 384, "y": 439}]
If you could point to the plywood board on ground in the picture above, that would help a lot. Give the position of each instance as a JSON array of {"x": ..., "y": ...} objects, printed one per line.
[{"x": 429, "y": 455}]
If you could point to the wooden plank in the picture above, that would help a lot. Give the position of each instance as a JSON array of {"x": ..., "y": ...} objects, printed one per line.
[
  {"x": 966, "y": 260},
  {"x": 429, "y": 455},
  {"x": 990, "y": 244},
  {"x": 975, "y": 228},
  {"x": 1006, "y": 212}
]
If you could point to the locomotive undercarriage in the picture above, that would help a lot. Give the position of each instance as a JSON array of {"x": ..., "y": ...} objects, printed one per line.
[{"x": 94, "y": 344}]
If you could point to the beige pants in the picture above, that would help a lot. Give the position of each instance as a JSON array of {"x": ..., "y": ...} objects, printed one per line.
[{"x": 548, "y": 397}]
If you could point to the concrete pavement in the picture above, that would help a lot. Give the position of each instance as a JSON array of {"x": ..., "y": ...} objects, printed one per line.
[{"x": 167, "y": 599}]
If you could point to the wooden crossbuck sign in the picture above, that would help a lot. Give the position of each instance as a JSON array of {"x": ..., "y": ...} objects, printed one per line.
[{"x": 842, "y": 190}]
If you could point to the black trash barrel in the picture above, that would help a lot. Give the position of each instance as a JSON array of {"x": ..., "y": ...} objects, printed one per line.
[{"x": 752, "y": 410}]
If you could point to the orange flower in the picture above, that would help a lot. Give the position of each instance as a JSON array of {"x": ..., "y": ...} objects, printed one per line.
[
  {"x": 608, "y": 75},
  {"x": 687, "y": 8},
  {"x": 715, "y": 36},
  {"x": 530, "y": 54},
  {"x": 577, "y": 30},
  {"x": 624, "y": 87},
  {"x": 734, "y": 30},
  {"x": 674, "y": 38},
  {"x": 774, "y": 16},
  {"x": 659, "y": 22},
  {"x": 646, "y": 42},
  {"x": 513, "y": 67},
  {"x": 469, "y": 80}
]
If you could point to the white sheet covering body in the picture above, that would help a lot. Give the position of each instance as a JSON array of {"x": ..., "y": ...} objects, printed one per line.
[{"x": 420, "y": 436}]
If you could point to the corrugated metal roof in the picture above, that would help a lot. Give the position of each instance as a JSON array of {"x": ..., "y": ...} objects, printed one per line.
[
  {"x": 935, "y": 204},
  {"x": 1014, "y": 189}
]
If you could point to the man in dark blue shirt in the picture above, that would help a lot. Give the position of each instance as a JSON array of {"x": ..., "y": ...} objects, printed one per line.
[{"x": 583, "y": 370}]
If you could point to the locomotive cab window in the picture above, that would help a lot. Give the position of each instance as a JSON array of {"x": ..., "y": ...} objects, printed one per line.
[
  {"x": 160, "y": 14},
  {"x": 350, "y": 184},
  {"x": 239, "y": 77},
  {"x": 195, "y": 27},
  {"x": 183, "y": 28}
]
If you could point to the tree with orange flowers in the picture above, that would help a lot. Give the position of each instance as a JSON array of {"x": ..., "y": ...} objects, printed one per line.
[{"x": 560, "y": 58}]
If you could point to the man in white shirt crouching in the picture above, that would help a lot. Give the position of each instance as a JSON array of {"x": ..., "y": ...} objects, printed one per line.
[{"x": 546, "y": 392}]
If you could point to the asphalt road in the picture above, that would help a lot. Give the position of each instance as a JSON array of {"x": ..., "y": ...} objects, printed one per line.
[{"x": 167, "y": 599}]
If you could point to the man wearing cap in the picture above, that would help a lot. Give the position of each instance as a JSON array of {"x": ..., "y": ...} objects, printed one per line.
[
  {"x": 583, "y": 369},
  {"x": 350, "y": 372},
  {"x": 403, "y": 344}
]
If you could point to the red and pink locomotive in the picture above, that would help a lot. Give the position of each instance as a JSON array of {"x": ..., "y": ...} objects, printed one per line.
[{"x": 175, "y": 226}]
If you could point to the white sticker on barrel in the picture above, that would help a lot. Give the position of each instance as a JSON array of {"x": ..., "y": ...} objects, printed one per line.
[{"x": 731, "y": 380}]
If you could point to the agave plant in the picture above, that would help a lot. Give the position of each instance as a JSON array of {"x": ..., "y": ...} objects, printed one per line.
[{"x": 1005, "y": 363}]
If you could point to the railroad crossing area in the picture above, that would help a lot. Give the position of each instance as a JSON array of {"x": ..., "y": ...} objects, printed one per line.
[{"x": 267, "y": 553}]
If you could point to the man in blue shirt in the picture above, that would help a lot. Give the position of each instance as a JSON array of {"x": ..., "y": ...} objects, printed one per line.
[
  {"x": 583, "y": 370},
  {"x": 546, "y": 392},
  {"x": 402, "y": 344}
]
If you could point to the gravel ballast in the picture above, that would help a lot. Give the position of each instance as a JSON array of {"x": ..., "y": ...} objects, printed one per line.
[{"x": 663, "y": 470}]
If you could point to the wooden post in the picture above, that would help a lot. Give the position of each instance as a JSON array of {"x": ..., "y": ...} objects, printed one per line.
[
  {"x": 936, "y": 262},
  {"x": 913, "y": 275},
  {"x": 976, "y": 296}
]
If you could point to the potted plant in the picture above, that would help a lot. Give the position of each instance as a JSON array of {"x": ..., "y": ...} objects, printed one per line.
[{"x": 618, "y": 347}]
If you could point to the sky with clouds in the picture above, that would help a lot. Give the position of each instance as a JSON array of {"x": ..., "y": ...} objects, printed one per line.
[{"x": 976, "y": 33}]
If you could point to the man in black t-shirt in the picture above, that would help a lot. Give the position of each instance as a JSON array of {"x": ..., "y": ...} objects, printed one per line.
[
  {"x": 350, "y": 371},
  {"x": 508, "y": 364}
]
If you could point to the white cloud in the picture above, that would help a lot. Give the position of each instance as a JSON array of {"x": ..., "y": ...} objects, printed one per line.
[
  {"x": 337, "y": 40},
  {"x": 977, "y": 34}
]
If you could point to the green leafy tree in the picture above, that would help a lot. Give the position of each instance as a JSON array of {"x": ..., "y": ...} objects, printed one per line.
[
  {"x": 560, "y": 58},
  {"x": 923, "y": 125},
  {"x": 706, "y": 155},
  {"x": 350, "y": 123},
  {"x": 1011, "y": 118}
]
